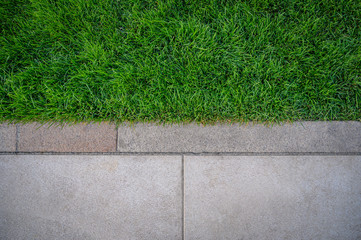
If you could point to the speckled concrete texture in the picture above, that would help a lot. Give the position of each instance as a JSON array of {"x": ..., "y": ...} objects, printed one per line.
[
  {"x": 286, "y": 197},
  {"x": 148, "y": 181},
  {"x": 90, "y": 197},
  {"x": 7, "y": 137},
  {"x": 295, "y": 137},
  {"x": 80, "y": 137}
]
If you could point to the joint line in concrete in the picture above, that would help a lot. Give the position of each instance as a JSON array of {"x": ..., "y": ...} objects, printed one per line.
[
  {"x": 188, "y": 153},
  {"x": 116, "y": 140},
  {"x": 183, "y": 199},
  {"x": 16, "y": 137}
]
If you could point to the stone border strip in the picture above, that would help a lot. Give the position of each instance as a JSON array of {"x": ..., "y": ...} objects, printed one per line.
[
  {"x": 7, "y": 137},
  {"x": 297, "y": 138},
  {"x": 74, "y": 138},
  {"x": 300, "y": 137}
]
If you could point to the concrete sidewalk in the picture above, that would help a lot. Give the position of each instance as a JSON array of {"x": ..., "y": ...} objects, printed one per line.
[{"x": 91, "y": 181}]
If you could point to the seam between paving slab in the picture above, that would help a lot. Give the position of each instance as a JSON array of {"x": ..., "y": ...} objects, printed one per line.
[
  {"x": 183, "y": 199},
  {"x": 190, "y": 153},
  {"x": 17, "y": 137},
  {"x": 116, "y": 139}
]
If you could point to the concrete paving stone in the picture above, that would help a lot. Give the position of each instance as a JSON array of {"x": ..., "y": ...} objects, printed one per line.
[
  {"x": 70, "y": 138},
  {"x": 7, "y": 137},
  {"x": 90, "y": 197},
  {"x": 296, "y": 137},
  {"x": 284, "y": 197}
]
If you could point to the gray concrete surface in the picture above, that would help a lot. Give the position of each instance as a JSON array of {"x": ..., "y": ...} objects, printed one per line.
[
  {"x": 297, "y": 137},
  {"x": 90, "y": 197},
  {"x": 286, "y": 197},
  {"x": 74, "y": 138},
  {"x": 7, "y": 137},
  {"x": 313, "y": 193}
]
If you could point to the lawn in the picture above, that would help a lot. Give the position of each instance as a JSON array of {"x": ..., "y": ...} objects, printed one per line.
[{"x": 180, "y": 61}]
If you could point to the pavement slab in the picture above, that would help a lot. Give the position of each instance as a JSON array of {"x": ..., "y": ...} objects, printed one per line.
[
  {"x": 330, "y": 137},
  {"x": 90, "y": 197},
  {"x": 260, "y": 197}
]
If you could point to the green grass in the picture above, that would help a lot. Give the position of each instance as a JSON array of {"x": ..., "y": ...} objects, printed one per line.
[{"x": 180, "y": 61}]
